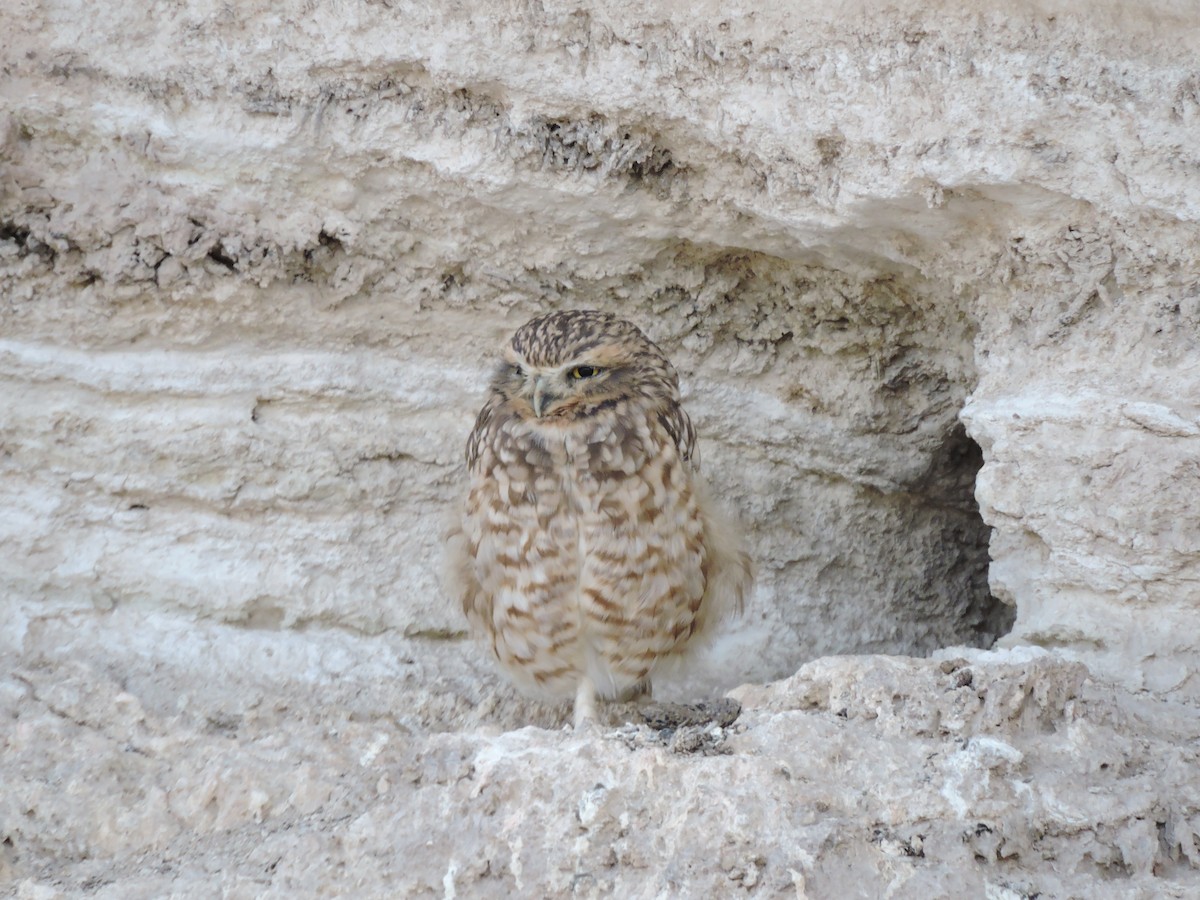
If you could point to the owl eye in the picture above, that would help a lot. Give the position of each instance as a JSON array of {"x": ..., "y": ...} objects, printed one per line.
[
  {"x": 583, "y": 372},
  {"x": 518, "y": 371}
]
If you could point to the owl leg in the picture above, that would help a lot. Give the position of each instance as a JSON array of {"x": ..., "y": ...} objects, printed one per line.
[{"x": 585, "y": 702}]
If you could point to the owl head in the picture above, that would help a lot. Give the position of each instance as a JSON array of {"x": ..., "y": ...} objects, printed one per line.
[{"x": 564, "y": 366}]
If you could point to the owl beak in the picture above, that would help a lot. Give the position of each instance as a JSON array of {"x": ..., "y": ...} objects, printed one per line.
[{"x": 542, "y": 395}]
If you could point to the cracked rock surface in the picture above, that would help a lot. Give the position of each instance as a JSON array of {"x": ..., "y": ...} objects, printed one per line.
[{"x": 1009, "y": 773}]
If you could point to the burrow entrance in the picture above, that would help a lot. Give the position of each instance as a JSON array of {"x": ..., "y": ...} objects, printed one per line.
[{"x": 948, "y": 493}]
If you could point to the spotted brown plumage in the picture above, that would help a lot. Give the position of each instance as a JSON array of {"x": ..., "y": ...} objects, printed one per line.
[{"x": 589, "y": 552}]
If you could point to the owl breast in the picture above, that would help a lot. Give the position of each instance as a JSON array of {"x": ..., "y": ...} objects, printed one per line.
[{"x": 589, "y": 552}]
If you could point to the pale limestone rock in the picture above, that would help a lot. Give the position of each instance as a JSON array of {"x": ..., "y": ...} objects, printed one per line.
[
  {"x": 964, "y": 775},
  {"x": 254, "y": 259}
]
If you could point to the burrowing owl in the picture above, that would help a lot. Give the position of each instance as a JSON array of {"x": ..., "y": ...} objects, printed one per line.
[{"x": 589, "y": 551}]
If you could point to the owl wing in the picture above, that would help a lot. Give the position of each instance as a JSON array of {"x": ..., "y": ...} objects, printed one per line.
[
  {"x": 459, "y": 559},
  {"x": 461, "y": 581},
  {"x": 481, "y": 433},
  {"x": 729, "y": 571},
  {"x": 679, "y": 426}
]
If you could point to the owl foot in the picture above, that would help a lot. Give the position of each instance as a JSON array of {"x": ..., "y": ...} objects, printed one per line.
[{"x": 640, "y": 693}]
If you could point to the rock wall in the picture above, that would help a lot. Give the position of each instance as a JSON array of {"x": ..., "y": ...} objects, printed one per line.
[{"x": 255, "y": 259}]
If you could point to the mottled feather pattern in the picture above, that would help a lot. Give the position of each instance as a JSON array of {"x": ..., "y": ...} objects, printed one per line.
[{"x": 589, "y": 552}]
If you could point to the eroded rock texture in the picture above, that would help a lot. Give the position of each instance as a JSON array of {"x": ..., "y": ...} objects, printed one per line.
[
  {"x": 1009, "y": 775},
  {"x": 254, "y": 259}
]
